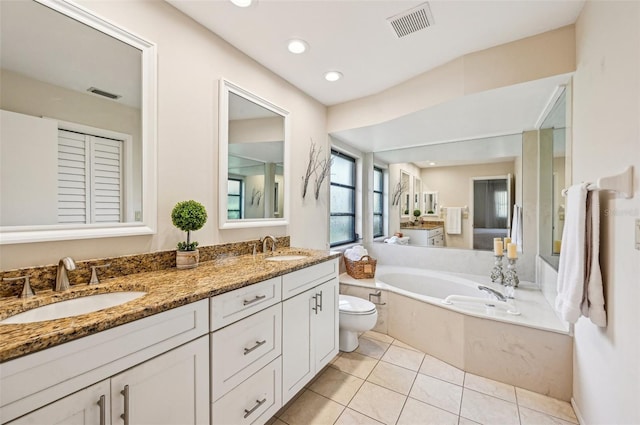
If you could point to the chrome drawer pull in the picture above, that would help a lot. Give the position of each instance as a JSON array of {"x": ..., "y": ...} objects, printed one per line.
[
  {"x": 320, "y": 296},
  {"x": 258, "y": 344},
  {"x": 125, "y": 416},
  {"x": 253, "y": 409},
  {"x": 257, "y": 298},
  {"x": 102, "y": 410},
  {"x": 315, "y": 300}
]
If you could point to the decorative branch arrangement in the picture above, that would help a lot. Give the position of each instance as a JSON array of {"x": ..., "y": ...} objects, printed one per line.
[
  {"x": 255, "y": 196},
  {"x": 401, "y": 187},
  {"x": 320, "y": 168}
]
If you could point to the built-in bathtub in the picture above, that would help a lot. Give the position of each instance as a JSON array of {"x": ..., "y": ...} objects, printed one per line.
[{"x": 532, "y": 349}]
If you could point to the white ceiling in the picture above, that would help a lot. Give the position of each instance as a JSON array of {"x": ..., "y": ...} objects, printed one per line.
[{"x": 354, "y": 37}]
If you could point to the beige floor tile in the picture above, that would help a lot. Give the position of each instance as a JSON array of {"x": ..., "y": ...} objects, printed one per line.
[
  {"x": 436, "y": 392},
  {"x": 441, "y": 370},
  {"x": 465, "y": 421},
  {"x": 404, "y": 357},
  {"x": 275, "y": 421},
  {"x": 372, "y": 347},
  {"x": 489, "y": 386},
  {"x": 379, "y": 403},
  {"x": 355, "y": 364},
  {"x": 378, "y": 336},
  {"x": 488, "y": 410},
  {"x": 336, "y": 385},
  {"x": 351, "y": 417},
  {"x": 532, "y": 417},
  {"x": 417, "y": 412},
  {"x": 311, "y": 408},
  {"x": 403, "y": 345},
  {"x": 541, "y": 403},
  {"x": 393, "y": 377}
]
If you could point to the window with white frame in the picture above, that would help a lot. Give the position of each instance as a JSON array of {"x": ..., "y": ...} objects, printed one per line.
[
  {"x": 235, "y": 189},
  {"x": 342, "y": 221},
  {"x": 378, "y": 202}
]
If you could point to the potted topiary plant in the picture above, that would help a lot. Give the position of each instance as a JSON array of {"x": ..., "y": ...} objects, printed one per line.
[
  {"x": 416, "y": 214},
  {"x": 188, "y": 216}
]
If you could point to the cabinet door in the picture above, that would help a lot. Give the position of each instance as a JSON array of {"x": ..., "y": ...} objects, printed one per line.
[
  {"x": 297, "y": 362},
  {"x": 170, "y": 389},
  {"x": 325, "y": 324},
  {"x": 86, "y": 407}
]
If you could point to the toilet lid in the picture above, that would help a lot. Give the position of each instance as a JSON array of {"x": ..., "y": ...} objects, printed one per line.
[{"x": 355, "y": 305}]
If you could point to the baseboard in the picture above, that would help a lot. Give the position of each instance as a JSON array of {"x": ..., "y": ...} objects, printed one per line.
[{"x": 576, "y": 410}]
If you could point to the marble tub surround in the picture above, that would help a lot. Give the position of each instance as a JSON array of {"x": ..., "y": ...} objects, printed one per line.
[
  {"x": 43, "y": 277},
  {"x": 166, "y": 289}
]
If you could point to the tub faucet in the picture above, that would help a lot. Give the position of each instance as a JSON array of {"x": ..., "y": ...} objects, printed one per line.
[
  {"x": 264, "y": 243},
  {"x": 493, "y": 292},
  {"x": 62, "y": 279}
]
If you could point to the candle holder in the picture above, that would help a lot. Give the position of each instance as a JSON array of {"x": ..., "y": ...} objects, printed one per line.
[
  {"x": 511, "y": 275},
  {"x": 496, "y": 272}
]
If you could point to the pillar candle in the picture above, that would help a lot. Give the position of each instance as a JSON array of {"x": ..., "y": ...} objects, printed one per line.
[
  {"x": 507, "y": 241},
  {"x": 512, "y": 250},
  {"x": 497, "y": 248}
]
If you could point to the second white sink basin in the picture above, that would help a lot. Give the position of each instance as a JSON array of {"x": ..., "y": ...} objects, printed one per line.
[
  {"x": 286, "y": 257},
  {"x": 73, "y": 307}
]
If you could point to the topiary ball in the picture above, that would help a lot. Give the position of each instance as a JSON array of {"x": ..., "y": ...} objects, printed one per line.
[{"x": 189, "y": 215}]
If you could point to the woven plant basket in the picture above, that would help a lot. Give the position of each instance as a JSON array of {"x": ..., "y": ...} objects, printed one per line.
[{"x": 364, "y": 268}]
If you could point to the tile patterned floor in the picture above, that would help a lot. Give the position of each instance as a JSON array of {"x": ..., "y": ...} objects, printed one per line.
[{"x": 388, "y": 382}]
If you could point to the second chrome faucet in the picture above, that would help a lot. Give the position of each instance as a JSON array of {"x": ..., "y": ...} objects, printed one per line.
[{"x": 62, "y": 279}]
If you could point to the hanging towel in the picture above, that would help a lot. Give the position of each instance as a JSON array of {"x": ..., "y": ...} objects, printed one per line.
[
  {"x": 516, "y": 227},
  {"x": 454, "y": 220},
  {"x": 579, "y": 276}
]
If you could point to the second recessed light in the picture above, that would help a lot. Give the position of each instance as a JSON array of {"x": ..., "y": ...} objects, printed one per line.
[
  {"x": 297, "y": 46},
  {"x": 332, "y": 76}
]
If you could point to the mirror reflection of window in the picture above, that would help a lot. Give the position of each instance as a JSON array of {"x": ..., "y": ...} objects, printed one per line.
[{"x": 234, "y": 198}]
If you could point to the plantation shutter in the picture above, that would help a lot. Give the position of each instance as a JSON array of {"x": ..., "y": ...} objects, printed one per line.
[{"x": 89, "y": 178}]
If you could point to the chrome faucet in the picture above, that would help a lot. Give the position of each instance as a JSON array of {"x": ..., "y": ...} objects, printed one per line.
[
  {"x": 264, "y": 243},
  {"x": 493, "y": 292},
  {"x": 62, "y": 280}
]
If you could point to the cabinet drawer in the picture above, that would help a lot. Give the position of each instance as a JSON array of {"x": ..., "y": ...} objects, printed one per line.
[
  {"x": 299, "y": 281},
  {"x": 235, "y": 305},
  {"x": 254, "y": 401},
  {"x": 436, "y": 231},
  {"x": 241, "y": 349}
]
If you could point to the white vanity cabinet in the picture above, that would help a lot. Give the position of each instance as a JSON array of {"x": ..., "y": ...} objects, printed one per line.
[
  {"x": 163, "y": 361},
  {"x": 310, "y": 324},
  {"x": 426, "y": 237}
]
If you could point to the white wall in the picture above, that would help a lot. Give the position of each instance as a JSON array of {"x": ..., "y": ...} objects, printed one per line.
[
  {"x": 191, "y": 60},
  {"x": 606, "y": 138}
]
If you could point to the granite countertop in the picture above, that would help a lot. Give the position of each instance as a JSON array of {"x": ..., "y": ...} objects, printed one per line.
[
  {"x": 426, "y": 225},
  {"x": 166, "y": 289}
]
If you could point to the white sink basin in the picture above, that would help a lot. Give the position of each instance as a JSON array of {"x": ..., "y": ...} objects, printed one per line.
[
  {"x": 286, "y": 257},
  {"x": 73, "y": 307}
]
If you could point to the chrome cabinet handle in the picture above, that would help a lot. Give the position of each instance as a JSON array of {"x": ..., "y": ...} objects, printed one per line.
[
  {"x": 257, "y": 298},
  {"x": 253, "y": 409},
  {"x": 320, "y": 296},
  {"x": 258, "y": 344},
  {"x": 125, "y": 415},
  {"x": 102, "y": 410},
  {"x": 315, "y": 300}
]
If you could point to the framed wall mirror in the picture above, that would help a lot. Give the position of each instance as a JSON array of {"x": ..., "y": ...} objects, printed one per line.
[
  {"x": 254, "y": 167},
  {"x": 431, "y": 206},
  {"x": 78, "y": 142},
  {"x": 405, "y": 195},
  {"x": 417, "y": 190}
]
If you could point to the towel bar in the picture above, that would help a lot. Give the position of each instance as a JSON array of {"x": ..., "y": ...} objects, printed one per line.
[{"x": 621, "y": 183}]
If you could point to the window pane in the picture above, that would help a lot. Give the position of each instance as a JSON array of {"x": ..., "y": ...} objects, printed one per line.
[
  {"x": 342, "y": 200},
  {"x": 233, "y": 187},
  {"x": 377, "y": 225},
  {"x": 377, "y": 203},
  {"x": 341, "y": 229},
  {"x": 233, "y": 215},
  {"x": 233, "y": 203},
  {"x": 342, "y": 170},
  {"x": 377, "y": 180}
]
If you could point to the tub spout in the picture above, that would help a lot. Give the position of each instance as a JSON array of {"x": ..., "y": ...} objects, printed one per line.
[{"x": 493, "y": 292}]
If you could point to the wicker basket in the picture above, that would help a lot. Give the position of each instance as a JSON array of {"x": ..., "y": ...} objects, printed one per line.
[{"x": 364, "y": 268}]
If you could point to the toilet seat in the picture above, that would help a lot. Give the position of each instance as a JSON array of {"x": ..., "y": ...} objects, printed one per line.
[{"x": 354, "y": 305}]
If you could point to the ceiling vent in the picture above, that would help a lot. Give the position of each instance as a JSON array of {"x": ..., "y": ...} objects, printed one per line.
[
  {"x": 103, "y": 93},
  {"x": 412, "y": 20}
]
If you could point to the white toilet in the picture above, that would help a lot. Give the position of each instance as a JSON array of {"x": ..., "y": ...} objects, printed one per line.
[{"x": 356, "y": 315}]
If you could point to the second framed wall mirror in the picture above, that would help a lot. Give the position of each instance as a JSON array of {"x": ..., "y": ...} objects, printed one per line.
[{"x": 254, "y": 168}]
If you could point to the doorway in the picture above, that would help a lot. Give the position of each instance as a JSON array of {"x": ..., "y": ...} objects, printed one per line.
[{"x": 492, "y": 204}]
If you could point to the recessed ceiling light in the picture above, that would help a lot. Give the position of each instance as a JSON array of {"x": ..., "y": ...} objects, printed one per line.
[
  {"x": 432, "y": 163},
  {"x": 332, "y": 76},
  {"x": 297, "y": 46},
  {"x": 242, "y": 3}
]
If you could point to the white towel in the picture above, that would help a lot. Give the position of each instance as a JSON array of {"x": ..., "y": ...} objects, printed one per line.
[
  {"x": 579, "y": 277},
  {"x": 454, "y": 220},
  {"x": 516, "y": 227}
]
